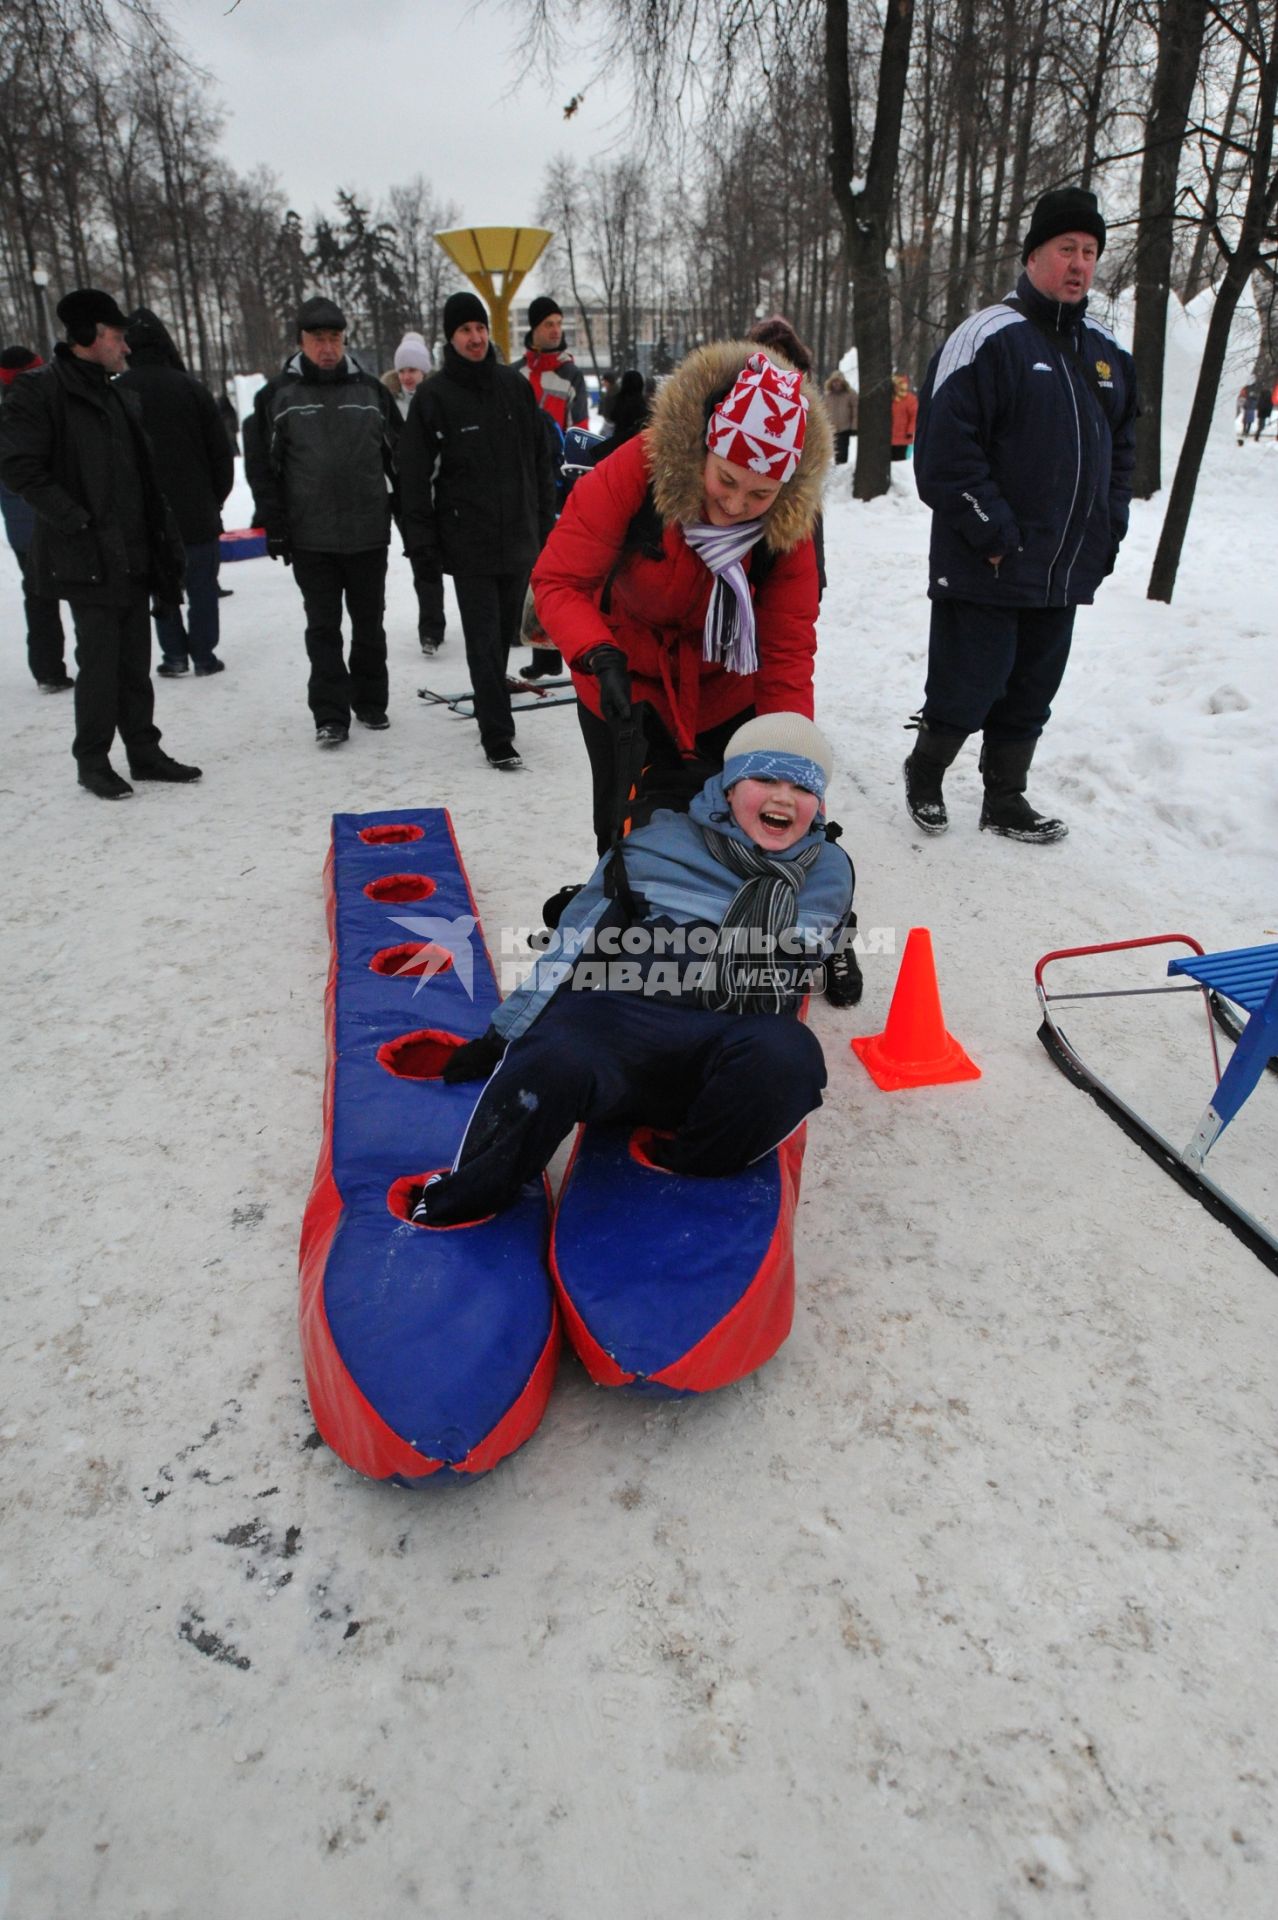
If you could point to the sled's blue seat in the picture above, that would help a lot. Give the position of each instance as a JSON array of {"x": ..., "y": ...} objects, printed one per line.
[{"x": 1249, "y": 977}]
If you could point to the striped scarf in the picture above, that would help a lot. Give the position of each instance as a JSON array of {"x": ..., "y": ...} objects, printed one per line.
[
  {"x": 765, "y": 905},
  {"x": 729, "y": 629}
]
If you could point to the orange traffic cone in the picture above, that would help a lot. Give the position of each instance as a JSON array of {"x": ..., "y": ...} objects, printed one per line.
[{"x": 914, "y": 1049}]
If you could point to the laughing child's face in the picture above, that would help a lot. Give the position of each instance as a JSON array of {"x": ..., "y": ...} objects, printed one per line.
[{"x": 775, "y": 814}]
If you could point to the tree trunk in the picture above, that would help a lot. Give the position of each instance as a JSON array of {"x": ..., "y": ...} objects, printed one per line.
[
  {"x": 1180, "y": 35},
  {"x": 1256, "y": 226},
  {"x": 866, "y": 211},
  {"x": 1195, "y": 279}
]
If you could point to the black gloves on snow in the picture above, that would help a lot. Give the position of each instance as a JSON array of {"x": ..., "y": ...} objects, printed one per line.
[
  {"x": 608, "y": 664},
  {"x": 476, "y": 1060},
  {"x": 277, "y": 545}
]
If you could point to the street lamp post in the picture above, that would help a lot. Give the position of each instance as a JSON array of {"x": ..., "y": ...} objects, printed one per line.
[
  {"x": 40, "y": 280},
  {"x": 495, "y": 259}
]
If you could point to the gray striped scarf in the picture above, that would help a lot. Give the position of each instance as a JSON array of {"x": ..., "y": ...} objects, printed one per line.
[
  {"x": 729, "y": 629},
  {"x": 767, "y": 904}
]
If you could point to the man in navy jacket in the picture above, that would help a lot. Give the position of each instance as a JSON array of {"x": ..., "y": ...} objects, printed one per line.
[{"x": 1024, "y": 451}]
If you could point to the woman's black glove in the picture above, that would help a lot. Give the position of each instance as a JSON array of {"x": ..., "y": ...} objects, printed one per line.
[
  {"x": 476, "y": 1060},
  {"x": 608, "y": 664}
]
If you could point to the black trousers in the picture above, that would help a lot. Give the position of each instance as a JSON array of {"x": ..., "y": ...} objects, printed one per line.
[
  {"x": 842, "y": 441},
  {"x": 429, "y": 582},
  {"x": 491, "y": 606},
  {"x": 45, "y": 642},
  {"x": 730, "y": 1086},
  {"x": 662, "y": 755},
  {"x": 324, "y": 578},
  {"x": 995, "y": 669},
  {"x": 113, "y": 691}
]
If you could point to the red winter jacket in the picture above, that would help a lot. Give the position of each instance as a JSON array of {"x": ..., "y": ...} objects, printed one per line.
[{"x": 658, "y": 608}]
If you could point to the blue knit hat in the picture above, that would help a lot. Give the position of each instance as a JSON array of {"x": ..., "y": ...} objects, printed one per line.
[{"x": 779, "y": 746}]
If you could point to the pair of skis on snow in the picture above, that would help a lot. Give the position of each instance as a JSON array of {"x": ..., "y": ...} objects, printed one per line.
[{"x": 527, "y": 696}]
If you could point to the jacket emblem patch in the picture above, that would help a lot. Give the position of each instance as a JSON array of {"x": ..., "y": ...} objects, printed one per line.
[
  {"x": 1104, "y": 369},
  {"x": 1040, "y": 366}
]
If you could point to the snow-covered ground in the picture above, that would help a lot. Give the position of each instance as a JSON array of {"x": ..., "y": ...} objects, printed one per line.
[{"x": 962, "y": 1607}]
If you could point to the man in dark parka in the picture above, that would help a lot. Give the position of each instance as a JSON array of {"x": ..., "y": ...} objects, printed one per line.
[
  {"x": 1024, "y": 452},
  {"x": 478, "y": 495},
  {"x": 73, "y": 445},
  {"x": 196, "y": 469}
]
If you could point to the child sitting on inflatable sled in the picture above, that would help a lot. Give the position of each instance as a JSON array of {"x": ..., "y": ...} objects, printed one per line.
[{"x": 681, "y": 1014}]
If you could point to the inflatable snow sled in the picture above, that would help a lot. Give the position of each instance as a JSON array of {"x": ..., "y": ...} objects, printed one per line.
[
  {"x": 427, "y": 1351},
  {"x": 242, "y": 543},
  {"x": 668, "y": 1283}
]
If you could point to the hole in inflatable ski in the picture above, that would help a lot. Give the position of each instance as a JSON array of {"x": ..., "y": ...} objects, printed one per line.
[
  {"x": 402, "y": 1198},
  {"x": 641, "y": 1143},
  {"x": 415, "y": 960},
  {"x": 419, "y": 1056},
  {"x": 398, "y": 889},
  {"x": 393, "y": 834}
]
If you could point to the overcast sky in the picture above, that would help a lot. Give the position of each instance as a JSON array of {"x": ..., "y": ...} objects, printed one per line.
[{"x": 367, "y": 93}]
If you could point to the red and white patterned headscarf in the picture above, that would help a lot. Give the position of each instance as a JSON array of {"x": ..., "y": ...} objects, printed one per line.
[{"x": 760, "y": 425}]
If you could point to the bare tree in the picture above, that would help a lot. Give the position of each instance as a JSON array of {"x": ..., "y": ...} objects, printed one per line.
[
  {"x": 1181, "y": 24},
  {"x": 1254, "y": 228}
]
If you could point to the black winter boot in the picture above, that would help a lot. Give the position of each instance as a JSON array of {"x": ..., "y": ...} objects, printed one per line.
[
  {"x": 1005, "y": 765},
  {"x": 935, "y": 749},
  {"x": 546, "y": 664}
]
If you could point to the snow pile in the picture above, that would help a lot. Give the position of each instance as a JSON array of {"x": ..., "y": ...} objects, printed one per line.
[{"x": 962, "y": 1605}]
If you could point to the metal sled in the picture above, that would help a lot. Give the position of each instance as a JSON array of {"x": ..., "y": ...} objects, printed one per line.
[
  {"x": 542, "y": 694},
  {"x": 1246, "y": 978}
]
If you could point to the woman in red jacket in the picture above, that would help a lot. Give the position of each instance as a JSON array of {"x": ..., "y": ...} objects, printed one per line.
[{"x": 682, "y": 574}]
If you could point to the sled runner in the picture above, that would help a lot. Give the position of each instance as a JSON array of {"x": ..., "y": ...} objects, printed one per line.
[
  {"x": 542, "y": 694},
  {"x": 426, "y": 1351},
  {"x": 1246, "y": 978}
]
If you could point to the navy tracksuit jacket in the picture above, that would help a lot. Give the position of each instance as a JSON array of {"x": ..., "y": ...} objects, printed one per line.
[{"x": 1018, "y": 453}]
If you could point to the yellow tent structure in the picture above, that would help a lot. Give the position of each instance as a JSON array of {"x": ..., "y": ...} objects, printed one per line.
[{"x": 495, "y": 260}]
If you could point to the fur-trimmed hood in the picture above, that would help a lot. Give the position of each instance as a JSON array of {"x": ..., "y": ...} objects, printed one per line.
[{"x": 676, "y": 438}]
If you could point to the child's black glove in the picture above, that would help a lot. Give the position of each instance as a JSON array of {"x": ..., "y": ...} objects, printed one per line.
[
  {"x": 476, "y": 1060},
  {"x": 608, "y": 664}
]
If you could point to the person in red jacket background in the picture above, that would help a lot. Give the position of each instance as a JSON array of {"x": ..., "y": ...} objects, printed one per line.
[
  {"x": 905, "y": 414},
  {"x": 682, "y": 575}
]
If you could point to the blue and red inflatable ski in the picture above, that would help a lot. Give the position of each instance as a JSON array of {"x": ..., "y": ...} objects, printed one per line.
[
  {"x": 427, "y": 1351},
  {"x": 432, "y": 1351}
]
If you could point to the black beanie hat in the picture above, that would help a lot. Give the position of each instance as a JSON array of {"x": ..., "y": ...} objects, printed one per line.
[
  {"x": 1064, "y": 210},
  {"x": 541, "y": 309},
  {"x": 85, "y": 309},
  {"x": 16, "y": 359},
  {"x": 320, "y": 313},
  {"x": 459, "y": 308}
]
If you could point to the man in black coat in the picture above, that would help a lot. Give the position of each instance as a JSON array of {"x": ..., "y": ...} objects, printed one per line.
[
  {"x": 105, "y": 540},
  {"x": 319, "y": 452},
  {"x": 1024, "y": 452},
  {"x": 196, "y": 470},
  {"x": 478, "y": 495}
]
